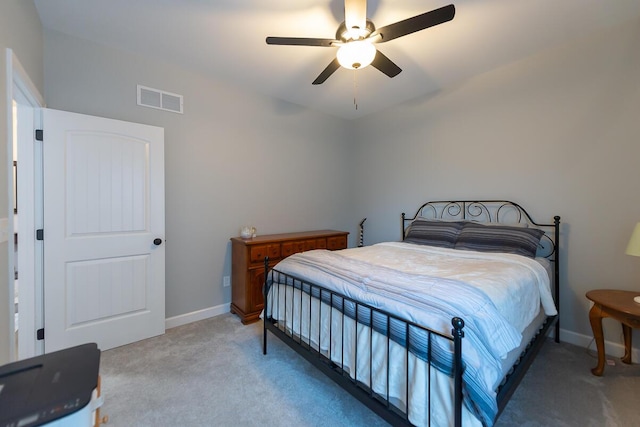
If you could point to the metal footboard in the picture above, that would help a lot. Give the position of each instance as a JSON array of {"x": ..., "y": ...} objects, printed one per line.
[{"x": 321, "y": 324}]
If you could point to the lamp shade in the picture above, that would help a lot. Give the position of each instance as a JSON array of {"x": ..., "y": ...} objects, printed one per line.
[
  {"x": 356, "y": 54},
  {"x": 633, "y": 248}
]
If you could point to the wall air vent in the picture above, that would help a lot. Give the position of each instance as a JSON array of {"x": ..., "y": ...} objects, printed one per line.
[{"x": 159, "y": 99}]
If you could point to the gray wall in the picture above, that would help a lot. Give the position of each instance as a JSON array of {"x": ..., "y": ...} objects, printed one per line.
[
  {"x": 21, "y": 31},
  {"x": 558, "y": 133},
  {"x": 234, "y": 158}
]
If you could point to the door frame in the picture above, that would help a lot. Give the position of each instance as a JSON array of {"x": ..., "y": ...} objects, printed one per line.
[{"x": 20, "y": 88}]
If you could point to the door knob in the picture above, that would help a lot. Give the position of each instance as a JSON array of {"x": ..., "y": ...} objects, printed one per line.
[{"x": 157, "y": 241}]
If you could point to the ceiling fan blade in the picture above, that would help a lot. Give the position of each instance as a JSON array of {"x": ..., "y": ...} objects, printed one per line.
[
  {"x": 355, "y": 14},
  {"x": 384, "y": 64},
  {"x": 417, "y": 23},
  {"x": 301, "y": 41},
  {"x": 326, "y": 73}
]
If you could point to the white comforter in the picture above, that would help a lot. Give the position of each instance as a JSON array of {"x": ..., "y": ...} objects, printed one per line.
[
  {"x": 515, "y": 284},
  {"x": 497, "y": 295}
]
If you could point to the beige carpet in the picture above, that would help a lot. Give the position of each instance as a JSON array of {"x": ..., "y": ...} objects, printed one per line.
[{"x": 213, "y": 373}]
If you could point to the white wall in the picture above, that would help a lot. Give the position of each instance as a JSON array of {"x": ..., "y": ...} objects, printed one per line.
[
  {"x": 234, "y": 158},
  {"x": 558, "y": 133},
  {"x": 21, "y": 31}
]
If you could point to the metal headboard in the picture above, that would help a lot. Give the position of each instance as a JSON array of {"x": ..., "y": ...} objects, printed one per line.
[
  {"x": 489, "y": 211},
  {"x": 497, "y": 212}
]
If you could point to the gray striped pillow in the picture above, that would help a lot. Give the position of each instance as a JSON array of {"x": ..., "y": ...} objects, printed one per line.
[
  {"x": 496, "y": 238},
  {"x": 434, "y": 233}
]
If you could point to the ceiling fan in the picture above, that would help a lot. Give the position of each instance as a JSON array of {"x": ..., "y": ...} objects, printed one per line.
[{"x": 356, "y": 35}]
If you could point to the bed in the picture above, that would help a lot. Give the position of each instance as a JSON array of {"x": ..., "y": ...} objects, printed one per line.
[{"x": 436, "y": 329}]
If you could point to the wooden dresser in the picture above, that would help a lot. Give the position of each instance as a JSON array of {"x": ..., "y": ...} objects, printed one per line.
[{"x": 247, "y": 263}]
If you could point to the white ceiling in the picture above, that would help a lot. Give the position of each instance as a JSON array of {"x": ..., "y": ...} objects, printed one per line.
[{"x": 226, "y": 39}]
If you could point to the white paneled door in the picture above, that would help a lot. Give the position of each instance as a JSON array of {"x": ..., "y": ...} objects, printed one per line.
[{"x": 103, "y": 231}]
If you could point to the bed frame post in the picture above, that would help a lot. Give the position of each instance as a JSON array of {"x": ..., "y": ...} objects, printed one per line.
[
  {"x": 556, "y": 221},
  {"x": 264, "y": 313},
  {"x": 458, "y": 334},
  {"x": 402, "y": 222}
]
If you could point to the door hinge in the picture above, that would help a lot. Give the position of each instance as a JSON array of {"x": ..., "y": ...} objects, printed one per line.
[
  {"x": 40, "y": 334},
  {"x": 39, "y": 135},
  {"x": 40, "y": 234}
]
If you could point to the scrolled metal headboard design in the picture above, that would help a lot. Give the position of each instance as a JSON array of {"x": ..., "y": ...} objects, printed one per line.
[
  {"x": 492, "y": 212},
  {"x": 498, "y": 212}
]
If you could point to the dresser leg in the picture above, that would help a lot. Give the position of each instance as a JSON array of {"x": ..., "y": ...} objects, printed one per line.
[{"x": 595, "y": 318}]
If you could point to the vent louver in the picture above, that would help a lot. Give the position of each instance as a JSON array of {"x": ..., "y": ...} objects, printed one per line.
[{"x": 159, "y": 99}]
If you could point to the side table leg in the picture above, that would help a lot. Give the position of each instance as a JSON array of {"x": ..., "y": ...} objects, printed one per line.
[
  {"x": 595, "y": 318},
  {"x": 626, "y": 332}
]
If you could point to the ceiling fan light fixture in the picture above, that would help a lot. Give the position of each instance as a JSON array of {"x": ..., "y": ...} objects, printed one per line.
[{"x": 356, "y": 54}]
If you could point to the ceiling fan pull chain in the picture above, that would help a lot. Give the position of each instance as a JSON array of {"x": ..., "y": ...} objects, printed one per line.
[{"x": 355, "y": 88}]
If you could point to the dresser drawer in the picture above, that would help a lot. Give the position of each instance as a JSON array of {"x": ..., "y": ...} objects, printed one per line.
[
  {"x": 337, "y": 242},
  {"x": 257, "y": 253},
  {"x": 290, "y": 248},
  {"x": 287, "y": 249},
  {"x": 310, "y": 245},
  {"x": 321, "y": 243},
  {"x": 273, "y": 251}
]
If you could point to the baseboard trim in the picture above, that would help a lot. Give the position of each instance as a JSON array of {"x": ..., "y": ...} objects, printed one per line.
[
  {"x": 613, "y": 349},
  {"x": 194, "y": 316}
]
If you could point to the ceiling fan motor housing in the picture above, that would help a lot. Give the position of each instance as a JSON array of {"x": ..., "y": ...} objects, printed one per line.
[{"x": 346, "y": 35}]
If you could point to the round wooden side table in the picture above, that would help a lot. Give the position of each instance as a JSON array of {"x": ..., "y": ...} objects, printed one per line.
[{"x": 620, "y": 306}]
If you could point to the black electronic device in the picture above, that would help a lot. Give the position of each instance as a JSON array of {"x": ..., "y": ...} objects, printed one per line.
[{"x": 41, "y": 389}]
